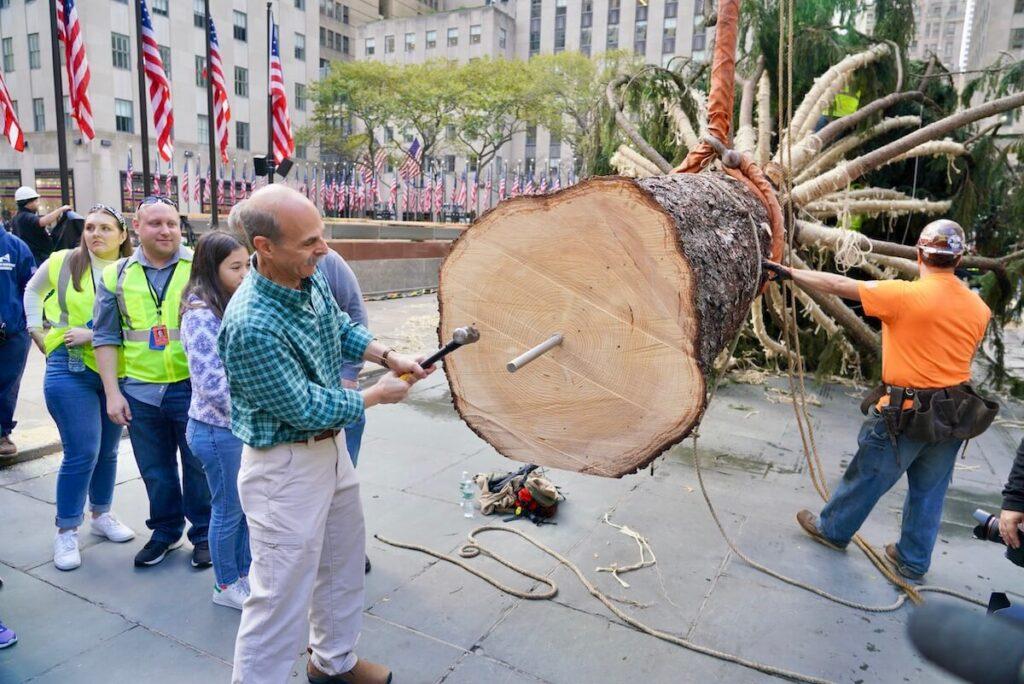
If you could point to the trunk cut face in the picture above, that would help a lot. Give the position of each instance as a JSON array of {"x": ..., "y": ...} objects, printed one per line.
[{"x": 603, "y": 264}]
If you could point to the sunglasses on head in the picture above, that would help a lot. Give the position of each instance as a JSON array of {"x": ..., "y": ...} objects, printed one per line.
[
  {"x": 156, "y": 199},
  {"x": 112, "y": 212}
]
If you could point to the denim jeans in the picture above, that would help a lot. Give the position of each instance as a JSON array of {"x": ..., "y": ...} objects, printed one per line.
[
  {"x": 873, "y": 471},
  {"x": 13, "y": 354},
  {"x": 90, "y": 439},
  {"x": 158, "y": 434},
  {"x": 221, "y": 454},
  {"x": 354, "y": 438}
]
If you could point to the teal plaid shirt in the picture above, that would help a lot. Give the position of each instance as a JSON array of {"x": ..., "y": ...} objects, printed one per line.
[{"x": 283, "y": 350}]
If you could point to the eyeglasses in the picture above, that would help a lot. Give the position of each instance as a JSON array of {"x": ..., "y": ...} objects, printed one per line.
[
  {"x": 156, "y": 199},
  {"x": 112, "y": 212}
]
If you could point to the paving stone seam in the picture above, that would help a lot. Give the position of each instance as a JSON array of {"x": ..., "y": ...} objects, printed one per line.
[{"x": 129, "y": 627}]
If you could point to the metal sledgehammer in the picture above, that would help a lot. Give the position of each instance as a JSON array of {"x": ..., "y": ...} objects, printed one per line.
[{"x": 460, "y": 338}]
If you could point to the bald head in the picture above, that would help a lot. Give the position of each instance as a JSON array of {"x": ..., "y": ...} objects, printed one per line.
[{"x": 284, "y": 228}]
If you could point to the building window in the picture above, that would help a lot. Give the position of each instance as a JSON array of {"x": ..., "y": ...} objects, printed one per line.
[
  {"x": 33, "y": 51},
  {"x": 300, "y": 47},
  {"x": 410, "y": 42},
  {"x": 344, "y": 44},
  {"x": 531, "y": 145},
  {"x": 502, "y": 38},
  {"x": 1017, "y": 39},
  {"x": 241, "y": 26},
  {"x": 199, "y": 14},
  {"x": 300, "y": 4},
  {"x": 300, "y": 97},
  {"x": 161, "y": 7},
  {"x": 165, "y": 57},
  {"x": 431, "y": 40},
  {"x": 449, "y": 163},
  {"x": 560, "y": 25},
  {"x": 612, "y": 39},
  {"x": 120, "y": 51},
  {"x": 1018, "y": 7},
  {"x": 668, "y": 37},
  {"x": 300, "y": 151},
  {"x": 585, "y": 41},
  {"x": 241, "y": 82},
  {"x": 555, "y": 148},
  {"x": 124, "y": 116},
  {"x": 241, "y": 135},
  {"x": 370, "y": 46},
  {"x": 200, "y": 71},
  {"x": 344, "y": 14},
  {"x": 389, "y": 45},
  {"x": 535, "y": 6},
  {"x": 449, "y": 132},
  {"x": 38, "y": 115},
  {"x": 474, "y": 34},
  {"x": 8, "y": 55},
  {"x": 453, "y": 37},
  {"x": 671, "y": 9},
  {"x": 203, "y": 126},
  {"x": 613, "y": 12}
]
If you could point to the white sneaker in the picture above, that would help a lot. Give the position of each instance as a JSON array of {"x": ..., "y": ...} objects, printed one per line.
[
  {"x": 110, "y": 527},
  {"x": 233, "y": 596},
  {"x": 244, "y": 581},
  {"x": 65, "y": 550}
]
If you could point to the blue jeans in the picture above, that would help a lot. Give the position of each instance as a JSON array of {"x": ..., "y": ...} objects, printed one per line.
[
  {"x": 873, "y": 471},
  {"x": 221, "y": 454},
  {"x": 354, "y": 438},
  {"x": 158, "y": 434},
  {"x": 90, "y": 439},
  {"x": 13, "y": 354}
]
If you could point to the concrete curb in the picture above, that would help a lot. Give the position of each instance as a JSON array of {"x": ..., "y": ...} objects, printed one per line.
[{"x": 32, "y": 453}]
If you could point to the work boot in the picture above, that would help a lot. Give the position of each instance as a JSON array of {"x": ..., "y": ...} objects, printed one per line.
[
  {"x": 7, "y": 447},
  {"x": 893, "y": 556},
  {"x": 364, "y": 672},
  {"x": 809, "y": 522}
]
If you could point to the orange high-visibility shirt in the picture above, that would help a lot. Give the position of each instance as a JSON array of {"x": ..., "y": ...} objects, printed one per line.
[{"x": 930, "y": 329}]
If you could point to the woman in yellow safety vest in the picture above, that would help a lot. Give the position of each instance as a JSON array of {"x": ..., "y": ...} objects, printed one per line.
[{"x": 58, "y": 307}]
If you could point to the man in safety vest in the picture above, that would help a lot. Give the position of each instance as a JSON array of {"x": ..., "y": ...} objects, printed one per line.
[
  {"x": 137, "y": 305},
  {"x": 918, "y": 419}
]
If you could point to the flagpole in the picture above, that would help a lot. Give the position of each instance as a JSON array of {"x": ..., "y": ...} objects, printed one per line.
[
  {"x": 147, "y": 180},
  {"x": 270, "y": 99},
  {"x": 58, "y": 94},
  {"x": 211, "y": 124}
]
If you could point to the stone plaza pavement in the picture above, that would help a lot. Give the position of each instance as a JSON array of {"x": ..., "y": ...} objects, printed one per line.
[{"x": 433, "y": 622}]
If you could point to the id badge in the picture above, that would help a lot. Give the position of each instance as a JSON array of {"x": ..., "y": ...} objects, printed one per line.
[{"x": 158, "y": 337}]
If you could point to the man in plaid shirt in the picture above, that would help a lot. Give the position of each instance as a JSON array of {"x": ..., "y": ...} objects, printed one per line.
[{"x": 283, "y": 341}]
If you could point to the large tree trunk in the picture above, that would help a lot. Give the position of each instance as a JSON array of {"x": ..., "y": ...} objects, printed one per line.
[{"x": 647, "y": 280}]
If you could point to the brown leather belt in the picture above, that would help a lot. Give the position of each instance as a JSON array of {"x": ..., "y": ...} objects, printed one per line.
[{"x": 326, "y": 434}]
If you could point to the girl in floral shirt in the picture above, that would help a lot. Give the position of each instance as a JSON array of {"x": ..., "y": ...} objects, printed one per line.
[{"x": 219, "y": 265}]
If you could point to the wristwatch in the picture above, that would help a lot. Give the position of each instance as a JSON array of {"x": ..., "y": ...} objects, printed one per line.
[{"x": 384, "y": 357}]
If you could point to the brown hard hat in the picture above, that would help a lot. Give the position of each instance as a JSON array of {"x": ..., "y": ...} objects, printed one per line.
[{"x": 942, "y": 237}]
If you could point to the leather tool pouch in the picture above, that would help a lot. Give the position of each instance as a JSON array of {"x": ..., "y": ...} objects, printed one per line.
[{"x": 942, "y": 414}]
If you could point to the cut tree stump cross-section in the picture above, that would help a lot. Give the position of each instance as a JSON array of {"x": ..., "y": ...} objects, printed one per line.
[{"x": 647, "y": 281}]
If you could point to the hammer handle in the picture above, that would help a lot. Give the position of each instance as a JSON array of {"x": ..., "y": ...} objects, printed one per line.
[{"x": 434, "y": 358}]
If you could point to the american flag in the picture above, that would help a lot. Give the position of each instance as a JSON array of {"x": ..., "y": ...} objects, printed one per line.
[
  {"x": 197, "y": 186},
  {"x": 129, "y": 185},
  {"x": 185, "y": 195},
  {"x": 69, "y": 32},
  {"x": 393, "y": 195},
  {"x": 460, "y": 194},
  {"x": 221, "y": 199},
  {"x": 557, "y": 185},
  {"x": 514, "y": 190},
  {"x": 473, "y": 192},
  {"x": 159, "y": 87},
  {"x": 12, "y": 129},
  {"x": 206, "y": 184},
  {"x": 411, "y": 166},
  {"x": 544, "y": 182},
  {"x": 487, "y": 188},
  {"x": 339, "y": 191},
  {"x": 234, "y": 196},
  {"x": 246, "y": 182},
  {"x": 304, "y": 188},
  {"x": 221, "y": 109},
  {"x": 323, "y": 186},
  {"x": 439, "y": 194},
  {"x": 501, "y": 185},
  {"x": 169, "y": 187},
  {"x": 529, "y": 189},
  {"x": 428, "y": 195},
  {"x": 158, "y": 176},
  {"x": 284, "y": 144}
]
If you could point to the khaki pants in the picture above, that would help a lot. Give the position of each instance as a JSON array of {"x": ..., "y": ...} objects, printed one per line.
[{"x": 308, "y": 543}]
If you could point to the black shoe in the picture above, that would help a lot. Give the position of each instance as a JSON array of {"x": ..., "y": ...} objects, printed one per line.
[
  {"x": 367, "y": 565},
  {"x": 201, "y": 555},
  {"x": 153, "y": 552}
]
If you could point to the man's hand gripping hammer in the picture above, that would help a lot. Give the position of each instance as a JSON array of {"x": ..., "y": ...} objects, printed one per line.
[{"x": 460, "y": 338}]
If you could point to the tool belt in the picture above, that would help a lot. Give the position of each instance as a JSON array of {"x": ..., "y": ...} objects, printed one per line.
[{"x": 937, "y": 415}]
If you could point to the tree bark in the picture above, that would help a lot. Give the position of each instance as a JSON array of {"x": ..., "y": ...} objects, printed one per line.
[{"x": 647, "y": 280}]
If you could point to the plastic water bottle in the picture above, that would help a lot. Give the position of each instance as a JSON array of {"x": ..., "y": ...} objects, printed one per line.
[
  {"x": 76, "y": 362},
  {"x": 467, "y": 490}
]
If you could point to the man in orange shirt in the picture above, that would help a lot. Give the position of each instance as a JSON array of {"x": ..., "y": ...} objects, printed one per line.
[{"x": 931, "y": 329}]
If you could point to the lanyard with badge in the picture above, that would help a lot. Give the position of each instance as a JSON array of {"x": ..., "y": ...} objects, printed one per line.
[{"x": 158, "y": 335}]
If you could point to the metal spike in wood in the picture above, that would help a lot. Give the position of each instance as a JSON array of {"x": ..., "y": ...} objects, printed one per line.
[{"x": 647, "y": 281}]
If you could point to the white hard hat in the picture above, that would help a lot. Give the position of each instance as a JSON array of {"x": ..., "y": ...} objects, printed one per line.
[{"x": 25, "y": 193}]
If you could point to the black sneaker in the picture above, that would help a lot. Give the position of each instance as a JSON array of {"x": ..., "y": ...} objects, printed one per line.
[
  {"x": 201, "y": 555},
  {"x": 367, "y": 565},
  {"x": 153, "y": 552}
]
